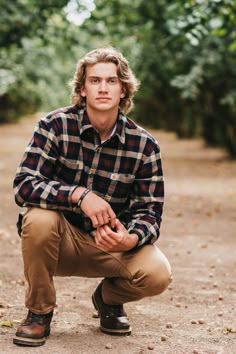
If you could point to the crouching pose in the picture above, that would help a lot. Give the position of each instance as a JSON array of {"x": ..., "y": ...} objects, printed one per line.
[{"x": 92, "y": 182}]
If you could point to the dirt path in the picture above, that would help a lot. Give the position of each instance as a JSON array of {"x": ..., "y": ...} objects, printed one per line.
[{"x": 196, "y": 313}]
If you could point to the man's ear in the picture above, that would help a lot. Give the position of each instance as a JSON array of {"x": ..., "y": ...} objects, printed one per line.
[
  {"x": 82, "y": 91},
  {"x": 123, "y": 92}
]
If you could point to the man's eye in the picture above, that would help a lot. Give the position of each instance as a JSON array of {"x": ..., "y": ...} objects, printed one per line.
[
  {"x": 94, "y": 81},
  {"x": 113, "y": 81}
]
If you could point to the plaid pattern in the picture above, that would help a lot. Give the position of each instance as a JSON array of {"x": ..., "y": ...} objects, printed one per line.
[{"x": 66, "y": 152}]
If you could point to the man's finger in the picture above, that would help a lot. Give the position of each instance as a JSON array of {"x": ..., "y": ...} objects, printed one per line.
[
  {"x": 106, "y": 218},
  {"x": 103, "y": 240},
  {"x": 94, "y": 221},
  {"x": 119, "y": 226},
  {"x": 101, "y": 220},
  {"x": 112, "y": 218}
]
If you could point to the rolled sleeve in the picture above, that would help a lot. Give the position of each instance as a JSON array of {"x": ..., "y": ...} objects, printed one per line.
[
  {"x": 33, "y": 184},
  {"x": 146, "y": 206}
]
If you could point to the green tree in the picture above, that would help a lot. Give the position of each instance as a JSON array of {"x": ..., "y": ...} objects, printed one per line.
[
  {"x": 184, "y": 54},
  {"x": 210, "y": 82},
  {"x": 38, "y": 50}
]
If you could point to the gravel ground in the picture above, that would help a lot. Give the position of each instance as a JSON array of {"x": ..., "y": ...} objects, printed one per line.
[{"x": 196, "y": 314}]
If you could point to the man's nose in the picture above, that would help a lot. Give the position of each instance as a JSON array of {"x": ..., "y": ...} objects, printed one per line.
[{"x": 103, "y": 85}]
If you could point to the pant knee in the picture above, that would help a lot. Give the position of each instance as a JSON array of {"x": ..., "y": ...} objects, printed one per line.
[
  {"x": 38, "y": 224},
  {"x": 153, "y": 281},
  {"x": 158, "y": 284}
]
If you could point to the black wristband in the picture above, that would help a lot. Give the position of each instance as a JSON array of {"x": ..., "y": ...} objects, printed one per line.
[{"x": 83, "y": 195}]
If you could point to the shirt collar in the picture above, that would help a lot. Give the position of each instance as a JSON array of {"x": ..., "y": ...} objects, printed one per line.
[
  {"x": 120, "y": 128},
  {"x": 84, "y": 121},
  {"x": 120, "y": 125}
]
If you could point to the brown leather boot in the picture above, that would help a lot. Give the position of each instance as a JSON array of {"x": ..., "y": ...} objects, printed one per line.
[
  {"x": 33, "y": 330},
  {"x": 113, "y": 318}
]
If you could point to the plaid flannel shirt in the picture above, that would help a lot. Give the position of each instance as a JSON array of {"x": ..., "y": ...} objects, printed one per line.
[{"x": 66, "y": 152}]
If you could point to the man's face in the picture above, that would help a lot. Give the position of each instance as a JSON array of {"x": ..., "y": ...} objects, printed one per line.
[{"x": 103, "y": 89}]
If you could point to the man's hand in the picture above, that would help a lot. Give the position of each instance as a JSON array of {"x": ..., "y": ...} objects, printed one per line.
[
  {"x": 118, "y": 240},
  {"x": 96, "y": 208}
]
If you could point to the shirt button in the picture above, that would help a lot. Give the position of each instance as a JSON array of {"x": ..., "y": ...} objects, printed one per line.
[{"x": 114, "y": 176}]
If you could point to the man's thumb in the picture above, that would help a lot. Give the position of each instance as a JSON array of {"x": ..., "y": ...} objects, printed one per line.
[{"x": 119, "y": 225}]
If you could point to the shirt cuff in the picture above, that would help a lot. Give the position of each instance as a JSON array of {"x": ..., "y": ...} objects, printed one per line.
[
  {"x": 64, "y": 197},
  {"x": 141, "y": 240}
]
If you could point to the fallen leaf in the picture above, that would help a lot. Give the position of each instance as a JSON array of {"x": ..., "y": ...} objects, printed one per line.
[
  {"x": 229, "y": 330},
  {"x": 7, "y": 323}
]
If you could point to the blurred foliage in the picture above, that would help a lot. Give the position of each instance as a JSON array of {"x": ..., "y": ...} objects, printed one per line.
[
  {"x": 183, "y": 52},
  {"x": 39, "y": 48},
  {"x": 25, "y": 19}
]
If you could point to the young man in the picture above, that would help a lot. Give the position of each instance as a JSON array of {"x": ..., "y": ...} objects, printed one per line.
[{"x": 92, "y": 182}]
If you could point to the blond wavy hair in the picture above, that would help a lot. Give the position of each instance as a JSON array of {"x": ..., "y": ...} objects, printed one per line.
[{"x": 105, "y": 55}]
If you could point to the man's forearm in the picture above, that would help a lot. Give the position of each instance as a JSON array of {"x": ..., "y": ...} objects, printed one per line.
[{"x": 31, "y": 191}]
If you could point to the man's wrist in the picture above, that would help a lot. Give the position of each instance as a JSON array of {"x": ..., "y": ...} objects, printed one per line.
[
  {"x": 77, "y": 193},
  {"x": 82, "y": 196}
]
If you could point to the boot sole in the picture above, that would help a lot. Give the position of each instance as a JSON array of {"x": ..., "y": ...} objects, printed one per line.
[
  {"x": 114, "y": 332},
  {"x": 30, "y": 342}
]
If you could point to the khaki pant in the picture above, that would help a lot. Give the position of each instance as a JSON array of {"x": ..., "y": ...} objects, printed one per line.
[{"x": 52, "y": 246}]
